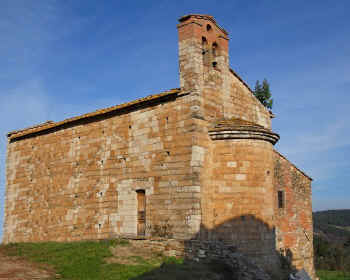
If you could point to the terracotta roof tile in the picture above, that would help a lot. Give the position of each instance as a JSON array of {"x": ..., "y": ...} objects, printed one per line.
[
  {"x": 236, "y": 122},
  {"x": 236, "y": 128},
  {"x": 30, "y": 127},
  {"x": 207, "y": 17},
  {"x": 50, "y": 124}
]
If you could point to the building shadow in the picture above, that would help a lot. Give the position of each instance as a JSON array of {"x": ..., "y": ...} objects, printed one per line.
[{"x": 240, "y": 248}]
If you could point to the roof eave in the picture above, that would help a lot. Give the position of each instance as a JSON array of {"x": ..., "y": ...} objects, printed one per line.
[{"x": 50, "y": 125}]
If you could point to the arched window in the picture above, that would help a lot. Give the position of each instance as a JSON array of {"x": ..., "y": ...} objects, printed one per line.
[
  {"x": 214, "y": 53},
  {"x": 205, "y": 52},
  {"x": 214, "y": 49},
  {"x": 204, "y": 44}
]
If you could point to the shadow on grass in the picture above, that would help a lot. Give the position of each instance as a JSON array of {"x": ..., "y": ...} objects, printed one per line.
[
  {"x": 241, "y": 248},
  {"x": 188, "y": 270}
]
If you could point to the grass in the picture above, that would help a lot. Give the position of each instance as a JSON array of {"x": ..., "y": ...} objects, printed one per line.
[
  {"x": 333, "y": 275},
  {"x": 82, "y": 260},
  {"x": 88, "y": 260}
]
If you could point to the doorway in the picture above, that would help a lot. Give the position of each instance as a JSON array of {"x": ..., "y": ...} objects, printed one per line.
[{"x": 141, "y": 212}]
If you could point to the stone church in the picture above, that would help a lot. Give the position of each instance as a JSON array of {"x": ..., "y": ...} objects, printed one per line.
[{"x": 192, "y": 163}]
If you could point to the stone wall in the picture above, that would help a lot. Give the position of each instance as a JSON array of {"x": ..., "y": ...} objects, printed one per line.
[
  {"x": 294, "y": 234},
  {"x": 237, "y": 189},
  {"x": 80, "y": 181},
  {"x": 217, "y": 91},
  {"x": 225, "y": 97},
  {"x": 208, "y": 253},
  {"x": 167, "y": 247}
]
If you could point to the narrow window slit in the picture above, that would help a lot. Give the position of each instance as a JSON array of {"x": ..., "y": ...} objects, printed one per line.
[
  {"x": 214, "y": 48},
  {"x": 280, "y": 197}
]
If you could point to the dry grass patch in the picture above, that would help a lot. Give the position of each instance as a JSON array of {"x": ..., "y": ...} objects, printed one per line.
[
  {"x": 12, "y": 268},
  {"x": 132, "y": 255}
]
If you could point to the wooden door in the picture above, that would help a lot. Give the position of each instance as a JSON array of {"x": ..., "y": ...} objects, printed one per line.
[{"x": 141, "y": 212}]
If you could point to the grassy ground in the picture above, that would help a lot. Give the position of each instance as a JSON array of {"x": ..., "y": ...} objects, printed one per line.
[
  {"x": 94, "y": 260},
  {"x": 333, "y": 275},
  {"x": 80, "y": 260}
]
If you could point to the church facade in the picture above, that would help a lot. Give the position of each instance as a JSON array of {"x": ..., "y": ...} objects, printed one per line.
[{"x": 195, "y": 162}]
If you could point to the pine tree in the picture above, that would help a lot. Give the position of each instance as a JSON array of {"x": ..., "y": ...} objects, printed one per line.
[{"x": 263, "y": 93}]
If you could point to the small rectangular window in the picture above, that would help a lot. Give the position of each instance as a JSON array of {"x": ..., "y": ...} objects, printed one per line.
[{"x": 280, "y": 195}]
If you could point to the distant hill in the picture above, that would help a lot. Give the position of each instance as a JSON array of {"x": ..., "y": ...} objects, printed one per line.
[
  {"x": 332, "y": 225},
  {"x": 332, "y": 240}
]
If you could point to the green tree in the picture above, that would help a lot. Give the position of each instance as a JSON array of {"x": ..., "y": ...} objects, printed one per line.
[{"x": 263, "y": 93}]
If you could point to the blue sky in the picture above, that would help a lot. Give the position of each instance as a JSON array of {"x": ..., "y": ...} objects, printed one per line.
[{"x": 63, "y": 58}]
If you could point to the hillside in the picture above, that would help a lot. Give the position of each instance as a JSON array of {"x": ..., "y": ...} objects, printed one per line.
[
  {"x": 332, "y": 225},
  {"x": 332, "y": 239}
]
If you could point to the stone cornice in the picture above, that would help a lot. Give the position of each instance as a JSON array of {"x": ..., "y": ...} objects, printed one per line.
[{"x": 243, "y": 132}]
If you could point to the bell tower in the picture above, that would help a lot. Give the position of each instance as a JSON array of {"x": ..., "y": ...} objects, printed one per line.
[{"x": 203, "y": 57}]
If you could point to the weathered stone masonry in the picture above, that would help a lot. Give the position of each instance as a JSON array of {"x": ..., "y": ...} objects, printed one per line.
[
  {"x": 81, "y": 181},
  {"x": 201, "y": 155}
]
